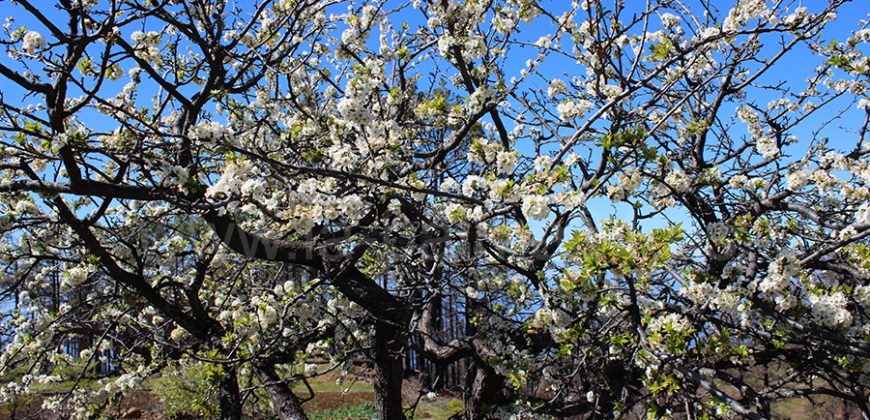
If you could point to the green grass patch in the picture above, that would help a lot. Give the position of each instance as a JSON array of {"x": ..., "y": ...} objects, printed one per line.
[
  {"x": 67, "y": 385},
  {"x": 330, "y": 386},
  {"x": 365, "y": 410},
  {"x": 440, "y": 409}
]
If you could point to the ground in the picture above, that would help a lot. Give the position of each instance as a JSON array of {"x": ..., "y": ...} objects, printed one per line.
[
  {"x": 354, "y": 400},
  {"x": 331, "y": 401}
]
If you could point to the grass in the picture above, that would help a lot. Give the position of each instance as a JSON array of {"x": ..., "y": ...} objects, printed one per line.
[
  {"x": 365, "y": 410},
  {"x": 355, "y": 400},
  {"x": 439, "y": 409},
  {"x": 67, "y": 385},
  {"x": 332, "y": 401},
  {"x": 323, "y": 385},
  {"x": 825, "y": 407}
]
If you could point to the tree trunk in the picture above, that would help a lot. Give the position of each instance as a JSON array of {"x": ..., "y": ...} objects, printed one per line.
[
  {"x": 438, "y": 370},
  {"x": 485, "y": 391},
  {"x": 284, "y": 401},
  {"x": 387, "y": 355},
  {"x": 229, "y": 398}
]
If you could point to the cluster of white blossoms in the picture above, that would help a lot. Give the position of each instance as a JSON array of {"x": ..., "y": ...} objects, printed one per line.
[
  {"x": 610, "y": 90},
  {"x": 32, "y": 42},
  {"x": 473, "y": 184},
  {"x": 780, "y": 271},
  {"x": 209, "y": 131},
  {"x": 492, "y": 153},
  {"x": 556, "y": 319},
  {"x": 670, "y": 20},
  {"x": 355, "y": 110},
  {"x": 114, "y": 72},
  {"x": 267, "y": 313},
  {"x": 77, "y": 404},
  {"x": 536, "y": 206},
  {"x": 147, "y": 45},
  {"x": 572, "y": 109},
  {"x": 506, "y": 161},
  {"x": 660, "y": 194},
  {"x": 505, "y": 20},
  {"x": 744, "y": 12},
  {"x": 822, "y": 179},
  {"x": 556, "y": 87},
  {"x": 479, "y": 99},
  {"x": 343, "y": 157},
  {"x": 24, "y": 207},
  {"x": 234, "y": 174},
  {"x": 13, "y": 389},
  {"x": 456, "y": 212},
  {"x": 678, "y": 180},
  {"x": 737, "y": 181},
  {"x": 767, "y": 147},
  {"x": 74, "y": 277},
  {"x": 354, "y": 38},
  {"x": 862, "y": 295},
  {"x": 798, "y": 17},
  {"x": 830, "y": 309},
  {"x": 667, "y": 325},
  {"x": 175, "y": 175},
  {"x": 707, "y": 295},
  {"x": 798, "y": 179},
  {"x": 178, "y": 334},
  {"x": 625, "y": 185},
  {"x": 124, "y": 383}
]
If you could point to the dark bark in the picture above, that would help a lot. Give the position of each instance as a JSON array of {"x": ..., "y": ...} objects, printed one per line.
[
  {"x": 438, "y": 370},
  {"x": 485, "y": 391},
  {"x": 229, "y": 397},
  {"x": 485, "y": 387},
  {"x": 343, "y": 275},
  {"x": 284, "y": 402},
  {"x": 389, "y": 343}
]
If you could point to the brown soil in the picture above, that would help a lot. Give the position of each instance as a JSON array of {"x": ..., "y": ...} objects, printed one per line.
[{"x": 142, "y": 404}]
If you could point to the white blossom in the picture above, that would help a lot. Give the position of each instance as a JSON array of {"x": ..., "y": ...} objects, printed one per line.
[
  {"x": 767, "y": 147},
  {"x": 74, "y": 277},
  {"x": 678, "y": 180},
  {"x": 830, "y": 309},
  {"x": 780, "y": 271},
  {"x": 590, "y": 397},
  {"x": 556, "y": 87},
  {"x": 32, "y": 42},
  {"x": 506, "y": 162},
  {"x": 536, "y": 207},
  {"x": 798, "y": 179},
  {"x": 670, "y": 20},
  {"x": 571, "y": 109}
]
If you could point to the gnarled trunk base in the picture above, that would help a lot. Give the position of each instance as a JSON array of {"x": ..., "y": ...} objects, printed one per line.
[
  {"x": 485, "y": 391},
  {"x": 389, "y": 342},
  {"x": 284, "y": 402},
  {"x": 229, "y": 397}
]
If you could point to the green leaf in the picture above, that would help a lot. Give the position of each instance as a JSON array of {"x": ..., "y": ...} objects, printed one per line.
[{"x": 660, "y": 50}]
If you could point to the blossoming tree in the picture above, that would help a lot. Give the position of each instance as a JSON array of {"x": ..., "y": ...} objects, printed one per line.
[{"x": 657, "y": 207}]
